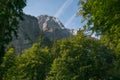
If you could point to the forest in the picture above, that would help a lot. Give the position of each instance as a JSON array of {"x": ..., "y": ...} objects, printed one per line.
[{"x": 78, "y": 58}]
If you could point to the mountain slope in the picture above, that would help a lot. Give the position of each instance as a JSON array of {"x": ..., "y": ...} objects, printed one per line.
[{"x": 28, "y": 33}]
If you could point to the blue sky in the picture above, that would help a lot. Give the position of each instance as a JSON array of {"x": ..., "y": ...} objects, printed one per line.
[{"x": 64, "y": 10}]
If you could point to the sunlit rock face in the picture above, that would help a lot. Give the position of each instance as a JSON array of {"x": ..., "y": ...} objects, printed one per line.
[
  {"x": 52, "y": 28},
  {"x": 28, "y": 33}
]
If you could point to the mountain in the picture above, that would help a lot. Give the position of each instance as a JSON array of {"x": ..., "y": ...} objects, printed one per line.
[
  {"x": 30, "y": 30},
  {"x": 52, "y": 28}
]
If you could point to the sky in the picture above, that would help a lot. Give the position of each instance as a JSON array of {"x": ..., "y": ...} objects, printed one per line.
[{"x": 64, "y": 10}]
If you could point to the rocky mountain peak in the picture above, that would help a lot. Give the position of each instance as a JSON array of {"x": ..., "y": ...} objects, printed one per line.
[
  {"x": 48, "y": 22},
  {"x": 52, "y": 27}
]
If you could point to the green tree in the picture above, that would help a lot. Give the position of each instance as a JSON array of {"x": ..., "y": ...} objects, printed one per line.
[
  {"x": 82, "y": 58},
  {"x": 8, "y": 62},
  {"x": 33, "y": 64},
  {"x": 103, "y": 17},
  {"x": 10, "y": 12}
]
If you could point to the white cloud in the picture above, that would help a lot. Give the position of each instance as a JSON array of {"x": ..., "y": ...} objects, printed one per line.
[
  {"x": 63, "y": 7},
  {"x": 70, "y": 20}
]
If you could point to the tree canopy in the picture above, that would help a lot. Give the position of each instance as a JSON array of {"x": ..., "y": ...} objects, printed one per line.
[
  {"x": 82, "y": 58},
  {"x": 104, "y": 15},
  {"x": 33, "y": 64},
  {"x": 10, "y": 12},
  {"x": 103, "y": 18}
]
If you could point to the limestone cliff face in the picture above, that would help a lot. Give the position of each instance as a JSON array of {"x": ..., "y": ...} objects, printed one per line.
[
  {"x": 52, "y": 28},
  {"x": 28, "y": 33},
  {"x": 31, "y": 27}
]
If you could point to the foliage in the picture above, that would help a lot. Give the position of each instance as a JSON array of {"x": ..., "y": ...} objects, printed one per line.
[
  {"x": 79, "y": 58},
  {"x": 82, "y": 58},
  {"x": 8, "y": 61},
  {"x": 103, "y": 17},
  {"x": 103, "y": 14},
  {"x": 33, "y": 64},
  {"x": 10, "y": 13}
]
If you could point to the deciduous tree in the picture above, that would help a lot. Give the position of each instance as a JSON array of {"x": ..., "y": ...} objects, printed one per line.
[{"x": 10, "y": 12}]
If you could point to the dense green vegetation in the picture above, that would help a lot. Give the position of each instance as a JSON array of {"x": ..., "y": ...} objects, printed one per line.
[
  {"x": 10, "y": 12},
  {"x": 103, "y": 18},
  {"x": 78, "y": 58}
]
